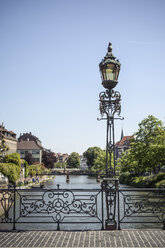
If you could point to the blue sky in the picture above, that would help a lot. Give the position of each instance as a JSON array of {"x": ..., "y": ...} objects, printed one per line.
[{"x": 49, "y": 74}]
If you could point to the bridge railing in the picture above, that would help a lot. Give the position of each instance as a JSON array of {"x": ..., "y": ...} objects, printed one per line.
[
  {"x": 141, "y": 206},
  {"x": 85, "y": 209}
]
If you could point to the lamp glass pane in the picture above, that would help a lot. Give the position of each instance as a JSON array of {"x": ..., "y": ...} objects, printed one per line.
[
  {"x": 103, "y": 74},
  {"x": 109, "y": 74},
  {"x": 117, "y": 73}
]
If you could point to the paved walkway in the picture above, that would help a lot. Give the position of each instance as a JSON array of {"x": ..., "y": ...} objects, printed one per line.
[{"x": 123, "y": 238}]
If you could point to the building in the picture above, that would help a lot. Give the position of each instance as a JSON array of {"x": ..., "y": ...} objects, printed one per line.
[
  {"x": 10, "y": 139},
  {"x": 62, "y": 158},
  {"x": 122, "y": 145},
  {"x": 28, "y": 143}
]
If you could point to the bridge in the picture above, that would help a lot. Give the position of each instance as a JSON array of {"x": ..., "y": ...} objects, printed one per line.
[{"x": 73, "y": 172}]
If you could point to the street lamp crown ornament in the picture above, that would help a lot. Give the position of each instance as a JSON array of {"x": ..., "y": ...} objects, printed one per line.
[{"x": 109, "y": 68}]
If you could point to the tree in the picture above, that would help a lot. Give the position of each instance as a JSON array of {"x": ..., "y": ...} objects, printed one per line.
[
  {"x": 91, "y": 154},
  {"x": 147, "y": 152},
  {"x": 12, "y": 167},
  {"x": 37, "y": 169},
  {"x": 99, "y": 163},
  {"x": 73, "y": 160},
  {"x": 3, "y": 148},
  {"x": 48, "y": 159},
  {"x": 28, "y": 158}
]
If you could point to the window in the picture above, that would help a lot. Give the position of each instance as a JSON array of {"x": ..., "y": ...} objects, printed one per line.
[{"x": 35, "y": 152}]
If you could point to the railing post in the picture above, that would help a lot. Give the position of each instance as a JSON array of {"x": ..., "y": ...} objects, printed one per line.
[
  {"x": 118, "y": 199},
  {"x": 102, "y": 201},
  {"x": 14, "y": 207}
]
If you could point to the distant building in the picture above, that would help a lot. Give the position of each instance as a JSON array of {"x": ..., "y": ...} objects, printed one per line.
[
  {"x": 122, "y": 145},
  {"x": 28, "y": 143},
  {"x": 62, "y": 158},
  {"x": 10, "y": 139},
  {"x": 11, "y": 142}
]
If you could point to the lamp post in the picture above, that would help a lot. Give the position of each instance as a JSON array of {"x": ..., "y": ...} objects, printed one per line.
[{"x": 109, "y": 106}]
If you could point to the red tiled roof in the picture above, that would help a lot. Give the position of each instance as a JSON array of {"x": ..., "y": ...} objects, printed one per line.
[
  {"x": 27, "y": 145},
  {"x": 124, "y": 139}
]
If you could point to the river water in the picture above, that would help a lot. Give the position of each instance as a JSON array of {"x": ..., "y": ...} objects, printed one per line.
[{"x": 78, "y": 183}]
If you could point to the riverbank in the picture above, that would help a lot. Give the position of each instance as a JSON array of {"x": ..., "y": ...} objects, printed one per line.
[
  {"x": 39, "y": 183},
  {"x": 151, "y": 181}
]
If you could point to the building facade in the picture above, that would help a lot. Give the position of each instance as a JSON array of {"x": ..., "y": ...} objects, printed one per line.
[
  {"x": 122, "y": 145},
  {"x": 10, "y": 139},
  {"x": 30, "y": 144}
]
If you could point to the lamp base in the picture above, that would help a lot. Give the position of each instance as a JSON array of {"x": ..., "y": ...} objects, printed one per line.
[
  {"x": 110, "y": 225},
  {"x": 109, "y": 84}
]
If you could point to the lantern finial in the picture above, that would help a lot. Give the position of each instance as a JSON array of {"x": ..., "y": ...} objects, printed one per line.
[{"x": 110, "y": 47}]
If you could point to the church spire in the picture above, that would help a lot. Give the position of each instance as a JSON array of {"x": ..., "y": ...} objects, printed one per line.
[{"x": 122, "y": 134}]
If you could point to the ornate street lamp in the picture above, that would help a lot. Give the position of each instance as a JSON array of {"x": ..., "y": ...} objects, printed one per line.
[
  {"x": 109, "y": 68},
  {"x": 109, "y": 106}
]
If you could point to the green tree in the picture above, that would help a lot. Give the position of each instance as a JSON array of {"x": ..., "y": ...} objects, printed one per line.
[
  {"x": 91, "y": 154},
  {"x": 147, "y": 152},
  {"x": 100, "y": 162},
  {"x": 28, "y": 158},
  {"x": 37, "y": 169},
  {"x": 3, "y": 148},
  {"x": 73, "y": 160},
  {"x": 12, "y": 167}
]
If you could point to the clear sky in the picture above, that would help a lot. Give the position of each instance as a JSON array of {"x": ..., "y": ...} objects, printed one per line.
[{"x": 49, "y": 74}]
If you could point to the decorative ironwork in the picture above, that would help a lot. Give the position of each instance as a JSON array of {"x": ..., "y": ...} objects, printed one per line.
[
  {"x": 142, "y": 206},
  {"x": 83, "y": 206},
  {"x": 58, "y": 204},
  {"x": 6, "y": 202},
  {"x": 110, "y": 103},
  {"x": 110, "y": 186}
]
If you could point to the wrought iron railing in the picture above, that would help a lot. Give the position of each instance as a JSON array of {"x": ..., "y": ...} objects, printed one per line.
[
  {"x": 86, "y": 208},
  {"x": 145, "y": 206}
]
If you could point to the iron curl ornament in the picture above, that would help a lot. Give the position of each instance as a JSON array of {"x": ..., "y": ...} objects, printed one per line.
[{"x": 110, "y": 103}]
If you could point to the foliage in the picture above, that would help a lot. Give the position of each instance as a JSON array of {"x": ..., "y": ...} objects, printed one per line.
[
  {"x": 37, "y": 169},
  {"x": 28, "y": 158},
  {"x": 91, "y": 154},
  {"x": 100, "y": 162},
  {"x": 12, "y": 167},
  {"x": 10, "y": 171},
  {"x": 151, "y": 181},
  {"x": 26, "y": 168},
  {"x": 160, "y": 184},
  {"x": 3, "y": 148},
  {"x": 48, "y": 159},
  {"x": 73, "y": 160},
  {"x": 147, "y": 152},
  {"x": 13, "y": 158},
  {"x": 60, "y": 165}
]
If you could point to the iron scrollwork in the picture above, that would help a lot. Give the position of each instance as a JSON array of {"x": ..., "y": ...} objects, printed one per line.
[
  {"x": 6, "y": 202},
  {"x": 142, "y": 205},
  {"x": 58, "y": 205},
  {"x": 110, "y": 186},
  {"x": 110, "y": 103}
]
